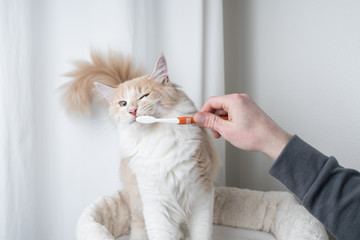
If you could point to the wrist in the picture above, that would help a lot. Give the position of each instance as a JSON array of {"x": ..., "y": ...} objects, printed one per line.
[{"x": 276, "y": 143}]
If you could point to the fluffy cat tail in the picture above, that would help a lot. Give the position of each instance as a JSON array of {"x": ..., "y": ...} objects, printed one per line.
[{"x": 110, "y": 70}]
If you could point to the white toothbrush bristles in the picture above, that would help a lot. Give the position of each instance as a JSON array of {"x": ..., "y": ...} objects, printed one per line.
[
  {"x": 146, "y": 119},
  {"x": 150, "y": 120}
]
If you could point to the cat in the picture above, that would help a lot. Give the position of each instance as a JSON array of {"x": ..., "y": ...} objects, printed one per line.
[{"x": 167, "y": 170}]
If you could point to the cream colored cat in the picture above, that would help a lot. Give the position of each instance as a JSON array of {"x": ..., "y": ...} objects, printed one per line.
[{"x": 167, "y": 170}]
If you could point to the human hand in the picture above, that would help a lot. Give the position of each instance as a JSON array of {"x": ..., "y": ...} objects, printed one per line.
[{"x": 248, "y": 128}]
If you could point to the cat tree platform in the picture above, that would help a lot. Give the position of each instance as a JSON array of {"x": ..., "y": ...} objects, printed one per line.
[{"x": 239, "y": 214}]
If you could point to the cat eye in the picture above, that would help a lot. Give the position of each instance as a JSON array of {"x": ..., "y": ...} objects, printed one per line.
[
  {"x": 122, "y": 103},
  {"x": 144, "y": 96}
]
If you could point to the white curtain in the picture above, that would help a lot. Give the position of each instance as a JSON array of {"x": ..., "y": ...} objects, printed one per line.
[
  {"x": 16, "y": 121},
  {"x": 53, "y": 165}
]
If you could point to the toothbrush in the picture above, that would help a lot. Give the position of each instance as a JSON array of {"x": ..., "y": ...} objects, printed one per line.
[{"x": 178, "y": 120}]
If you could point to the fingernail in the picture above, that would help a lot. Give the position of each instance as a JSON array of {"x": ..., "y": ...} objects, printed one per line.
[{"x": 199, "y": 118}]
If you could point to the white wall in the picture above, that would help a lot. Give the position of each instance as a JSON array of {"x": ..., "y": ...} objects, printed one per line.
[{"x": 300, "y": 61}]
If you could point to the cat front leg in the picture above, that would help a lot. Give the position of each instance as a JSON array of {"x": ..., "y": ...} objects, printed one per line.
[
  {"x": 138, "y": 231},
  {"x": 201, "y": 221},
  {"x": 160, "y": 224},
  {"x": 137, "y": 224}
]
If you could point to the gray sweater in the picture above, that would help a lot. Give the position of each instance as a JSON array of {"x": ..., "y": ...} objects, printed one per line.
[{"x": 328, "y": 191}]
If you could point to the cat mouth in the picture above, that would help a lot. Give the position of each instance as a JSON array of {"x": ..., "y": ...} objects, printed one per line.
[{"x": 140, "y": 115}]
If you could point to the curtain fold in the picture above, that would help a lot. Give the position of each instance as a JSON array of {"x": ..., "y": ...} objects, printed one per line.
[
  {"x": 16, "y": 155},
  {"x": 213, "y": 76}
]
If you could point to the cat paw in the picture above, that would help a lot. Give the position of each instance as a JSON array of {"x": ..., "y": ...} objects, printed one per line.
[
  {"x": 181, "y": 236},
  {"x": 138, "y": 238},
  {"x": 138, "y": 235}
]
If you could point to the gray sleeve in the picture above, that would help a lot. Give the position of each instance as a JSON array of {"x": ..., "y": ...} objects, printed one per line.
[{"x": 328, "y": 191}]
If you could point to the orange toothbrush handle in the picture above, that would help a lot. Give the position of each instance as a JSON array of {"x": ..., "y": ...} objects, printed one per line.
[
  {"x": 190, "y": 120},
  {"x": 186, "y": 120}
]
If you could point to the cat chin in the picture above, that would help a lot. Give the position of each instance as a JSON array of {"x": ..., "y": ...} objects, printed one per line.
[
  {"x": 125, "y": 122},
  {"x": 130, "y": 123}
]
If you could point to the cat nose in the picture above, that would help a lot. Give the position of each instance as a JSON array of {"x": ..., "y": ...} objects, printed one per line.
[{"x": 133, "y": 111}]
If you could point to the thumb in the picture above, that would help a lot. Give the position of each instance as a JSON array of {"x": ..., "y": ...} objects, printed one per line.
[{"x": 209, "y": 120}]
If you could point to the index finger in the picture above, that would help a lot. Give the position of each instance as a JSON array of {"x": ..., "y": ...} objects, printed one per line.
[{"x": 216, "y": 103}]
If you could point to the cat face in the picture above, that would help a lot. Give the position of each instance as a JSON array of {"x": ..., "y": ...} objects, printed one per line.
[
  {"x": 151, "y": 94},
  {"x": 135, "y": 98}
]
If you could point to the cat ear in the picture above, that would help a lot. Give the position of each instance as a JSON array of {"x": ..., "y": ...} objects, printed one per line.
[
  {"x": 107, "y": 91},
  {"x": 160, "y": 71}
]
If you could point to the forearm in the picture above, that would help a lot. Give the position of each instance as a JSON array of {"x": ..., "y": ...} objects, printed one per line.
[{"x": 330, "y": 192}]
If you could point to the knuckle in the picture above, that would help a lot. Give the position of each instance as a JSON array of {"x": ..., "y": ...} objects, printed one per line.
[
  {"x": 211, "y": 98},
  {"x": 236, "y": 95},
  {"x": 241, "y": 98},
  {"x": 212, "y": 122},
  {"x": 246, "y": 96}
]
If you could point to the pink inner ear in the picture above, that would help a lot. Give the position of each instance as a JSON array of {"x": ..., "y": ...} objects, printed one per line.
[
  {"x": 107, "y": 91},
  {"x": 160, "y": 69}
]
